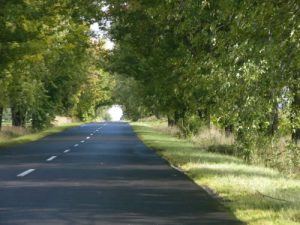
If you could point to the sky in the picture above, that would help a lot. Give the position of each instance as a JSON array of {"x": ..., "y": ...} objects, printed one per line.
[
  {"x": 116, "y": 113},
  {"x": 100, "y": 35}
]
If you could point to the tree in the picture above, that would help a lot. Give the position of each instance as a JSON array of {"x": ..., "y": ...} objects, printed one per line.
[
  {"x": 45, "y": 68},
  {"x": 228, "y": 61}
]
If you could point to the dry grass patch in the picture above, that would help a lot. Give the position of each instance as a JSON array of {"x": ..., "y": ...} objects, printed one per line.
[
  {"x": 213, "y": 136},
  {"x": 13, "y": 136},
  {"x": 9, "y": 132}
]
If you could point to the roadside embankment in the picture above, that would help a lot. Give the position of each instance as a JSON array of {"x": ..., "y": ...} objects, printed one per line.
[{"x": 256, "y": 195}]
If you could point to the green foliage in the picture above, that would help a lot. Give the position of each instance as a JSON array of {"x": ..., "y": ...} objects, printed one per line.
[
  {"x": 97, "y": 90},
  {"x": 48, "y": 62},
  {"x": 103, "y": 114},
  {"x": 127, "y": 93},
  {"x": 231, "y": 63}
]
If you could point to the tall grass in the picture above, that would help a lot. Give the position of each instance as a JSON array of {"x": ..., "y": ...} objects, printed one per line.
[
  {"x": 212, "y": 138},
  {"x": 9, "y": 132},
  {"x": 278, "y": 154},
  {"x": 10, "y": 136}
]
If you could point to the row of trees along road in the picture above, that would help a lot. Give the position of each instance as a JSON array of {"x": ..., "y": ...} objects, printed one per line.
[
  {"x": 234, "y": 64},
  {"x": 48, "y": 63}
]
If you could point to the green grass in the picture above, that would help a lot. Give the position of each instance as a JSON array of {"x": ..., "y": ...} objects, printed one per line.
[
  {"x": 11, "y": 140},
  {"x": 247, "y": 190}
]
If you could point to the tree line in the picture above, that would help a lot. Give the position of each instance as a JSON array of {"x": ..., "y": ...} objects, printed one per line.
[
  {"x": 234, "y": 64},
  {"x": 49, "y": 64},
  {"x": 228, "y": 63}
]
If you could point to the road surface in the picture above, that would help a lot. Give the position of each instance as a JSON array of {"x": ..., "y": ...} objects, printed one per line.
[{"x": 98, "y": 173}]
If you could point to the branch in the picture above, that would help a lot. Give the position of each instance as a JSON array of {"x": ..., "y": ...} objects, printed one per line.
[{"x": 278, "y": 199}]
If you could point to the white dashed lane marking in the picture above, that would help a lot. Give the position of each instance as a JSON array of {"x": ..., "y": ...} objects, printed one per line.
[
  {"x": 23, "y": 174},
  {"x": 51, "y": 158},
  {"x": 26, "y": 172}
]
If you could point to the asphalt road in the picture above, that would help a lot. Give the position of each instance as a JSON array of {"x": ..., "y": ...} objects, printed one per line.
[{"x": 99, "y": 173}]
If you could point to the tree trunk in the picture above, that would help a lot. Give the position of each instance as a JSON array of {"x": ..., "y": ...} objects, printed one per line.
[
  {"x": 199, "y": 113},
  {"x": 274, "y": 120},
  {"x": 229, "y": 130},
  {"x": 296, "y": 135},
  {"x": 35, "y": 122},
  {"x": 1, "y": 115},
  {"x": 157, "y": 115},
  {"x": 171, "y": 122},
  {"x": 295, "y": 114},
  {"x": 207, "y": 118},
  {"x": 176, "y": 117},
  {"x": 18, "y": 117}
]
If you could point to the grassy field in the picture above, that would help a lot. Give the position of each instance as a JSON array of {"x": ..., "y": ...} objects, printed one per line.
[
  {"x": 256, "y": 195},
  {"x": 10, "y": 136}
]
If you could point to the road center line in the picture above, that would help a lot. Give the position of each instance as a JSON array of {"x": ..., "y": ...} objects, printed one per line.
[
  {"x": 67, "y": 150},
  {"x": 23, "y": 174},
  {"x": 51, "y": 158}
]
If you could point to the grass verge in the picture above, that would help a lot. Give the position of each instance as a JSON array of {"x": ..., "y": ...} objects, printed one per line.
[
  {"x": 256, "y": 195},
  {"x": 11, "y": 141}
]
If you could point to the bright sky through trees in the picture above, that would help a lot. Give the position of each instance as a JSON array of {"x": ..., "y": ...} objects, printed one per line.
[
  {"x": 116, "y": 113},
  {"x": 108, "y": 44}
]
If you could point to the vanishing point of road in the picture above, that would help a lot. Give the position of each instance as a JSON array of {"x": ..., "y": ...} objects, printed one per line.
[{"x": 99, "y": 173}]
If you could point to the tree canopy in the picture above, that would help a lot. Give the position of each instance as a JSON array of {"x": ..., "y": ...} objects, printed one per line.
[
  {"x": 234, "y": 64},
  {"x": 49, "y": 64},
  {"x": 228, "y": 63}
]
